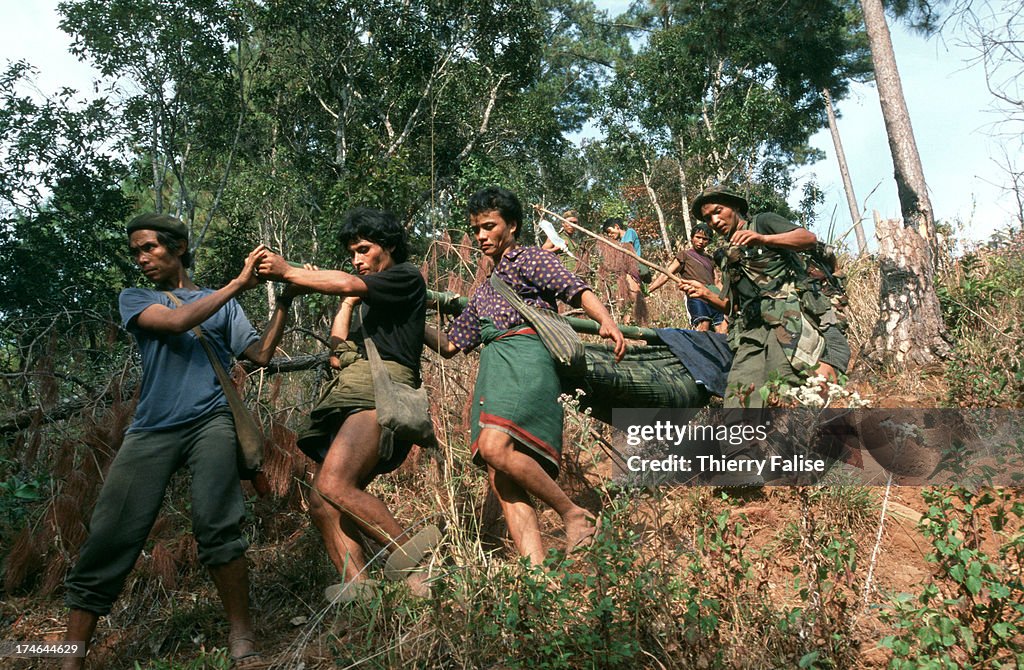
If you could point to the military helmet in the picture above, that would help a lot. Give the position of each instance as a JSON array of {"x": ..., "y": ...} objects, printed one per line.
[{"x": 719, "y": 195}]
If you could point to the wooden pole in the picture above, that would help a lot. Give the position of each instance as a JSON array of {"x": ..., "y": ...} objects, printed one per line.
[
  {"x": 610, "y": 243},
  {"x": 453, "y": 303}
]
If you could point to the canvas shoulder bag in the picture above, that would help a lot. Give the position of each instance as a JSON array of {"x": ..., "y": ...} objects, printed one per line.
[
  {"x": 403, "y": 412},
  {"x": 251, "y": 440},
  {"x": 555, "y": 331}
]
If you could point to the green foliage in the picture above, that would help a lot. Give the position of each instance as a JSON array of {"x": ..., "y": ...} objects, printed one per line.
[
  {"x": 62, "y": 242},
  {"x": 181, "y": 105},
  {"x": 60, "y": 202},
  {"x": 603, "y": 607},
  {"x": 982, "y": 301},
  {"x": 972, "y": 613},
  {"x": 265, "y": 123},
  {"x": 733, "y": 89},
  {"x": 215, "y": 660},
  {"x": 280, "y": 118},
  {"x": 622, "y": 603},
  {"x": 19, "y": 492},
  {"x": 923, "y": 16}
]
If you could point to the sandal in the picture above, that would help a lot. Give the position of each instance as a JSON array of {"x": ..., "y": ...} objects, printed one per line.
[
  {"x": 410, "y": 554},
  {"x": 252, "y": 660},
  {"x": 347, "y": 592}
]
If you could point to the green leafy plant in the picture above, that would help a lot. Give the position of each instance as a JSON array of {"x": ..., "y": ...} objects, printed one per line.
[
  {"x": 982, "y": 299},
  {"x": 18, "y": 492},
  {"x": 604, "y": 605},
  {"x": 971, "y": 614}
]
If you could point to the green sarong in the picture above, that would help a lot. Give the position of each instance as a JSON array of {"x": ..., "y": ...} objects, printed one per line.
[{"x": 517, "y": 392}]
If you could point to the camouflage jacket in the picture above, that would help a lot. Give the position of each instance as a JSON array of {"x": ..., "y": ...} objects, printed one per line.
[{"x": 779, "y": 290}]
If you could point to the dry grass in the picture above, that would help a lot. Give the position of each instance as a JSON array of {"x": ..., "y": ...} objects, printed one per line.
[
  {"x": 862, "y": 289},
  {"x": 679, "y": 578}
]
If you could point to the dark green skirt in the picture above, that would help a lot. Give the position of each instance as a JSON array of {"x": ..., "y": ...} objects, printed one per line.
[{"x": 517, "y": 393}]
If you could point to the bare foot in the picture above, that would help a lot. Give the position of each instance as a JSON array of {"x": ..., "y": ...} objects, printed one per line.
[{"x": 579, "y": 529}]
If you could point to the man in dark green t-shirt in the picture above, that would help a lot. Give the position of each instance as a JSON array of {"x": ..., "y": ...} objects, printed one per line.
[{"x": 784, "y": 325}]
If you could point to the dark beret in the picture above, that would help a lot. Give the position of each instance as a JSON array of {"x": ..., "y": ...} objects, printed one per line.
[{"x": 154, "y": 221}]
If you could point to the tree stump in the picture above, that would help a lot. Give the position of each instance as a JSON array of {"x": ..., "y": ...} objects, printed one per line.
[{"x": 910, "y": 332}]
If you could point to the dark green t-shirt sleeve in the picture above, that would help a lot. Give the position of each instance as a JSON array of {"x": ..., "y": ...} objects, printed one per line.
[{"x": 770, "y": 223}]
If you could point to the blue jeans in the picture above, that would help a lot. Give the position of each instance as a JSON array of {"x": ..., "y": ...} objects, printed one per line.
[{"x": 701, "y": 311}]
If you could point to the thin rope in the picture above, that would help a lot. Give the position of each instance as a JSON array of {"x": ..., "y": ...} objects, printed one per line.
[{"x": 878, "y": 541}]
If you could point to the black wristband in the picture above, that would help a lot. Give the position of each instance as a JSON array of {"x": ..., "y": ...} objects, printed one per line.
[{"x": 284, "y": 301}]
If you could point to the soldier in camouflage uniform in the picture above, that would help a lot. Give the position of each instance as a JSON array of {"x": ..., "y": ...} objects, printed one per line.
[{"x": 786, "y": 322}]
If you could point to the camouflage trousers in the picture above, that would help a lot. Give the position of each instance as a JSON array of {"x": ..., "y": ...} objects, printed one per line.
[{"x": 760, "y": 358}]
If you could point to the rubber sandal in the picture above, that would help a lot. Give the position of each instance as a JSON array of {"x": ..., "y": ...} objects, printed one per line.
[
  {"x": 252, "y": 660},
  {"x": 407, "y": 556},
  {"x": 348, "y": 592}
]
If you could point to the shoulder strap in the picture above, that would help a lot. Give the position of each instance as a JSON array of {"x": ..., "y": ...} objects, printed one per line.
[
  {"x": 222, "y": 376},
  {"x": 554, "y": 330},
  {"x": 377, "y": 369},
  {"x": 250, "y": 435},
  {"x": 506, "y": 292}
]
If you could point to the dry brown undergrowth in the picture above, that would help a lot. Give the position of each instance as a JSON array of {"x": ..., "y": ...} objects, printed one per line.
[{"x": 168, "y": 609}]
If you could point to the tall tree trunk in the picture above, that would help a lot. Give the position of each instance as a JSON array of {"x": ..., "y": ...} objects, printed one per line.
[
  {"x": 844, "y": 171},
  {"x": 647, "y": 175},
  {"x": 910, "y": 331},
  {"x": 683, "y": 200},
  {"x": 156, "y": 156},
  {"x": 913, "y": 192}
]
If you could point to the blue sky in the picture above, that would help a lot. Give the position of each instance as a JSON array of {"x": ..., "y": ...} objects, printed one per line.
[{"x": 948, "y": 101}]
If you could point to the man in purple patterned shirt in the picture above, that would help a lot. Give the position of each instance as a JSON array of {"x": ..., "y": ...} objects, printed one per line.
[{"x": 516, "y": 417}]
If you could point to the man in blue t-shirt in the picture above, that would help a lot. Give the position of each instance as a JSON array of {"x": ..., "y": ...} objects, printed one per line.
[
  {"x": 623, "y": 234},
  {"x": 182, "y": 418}
]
